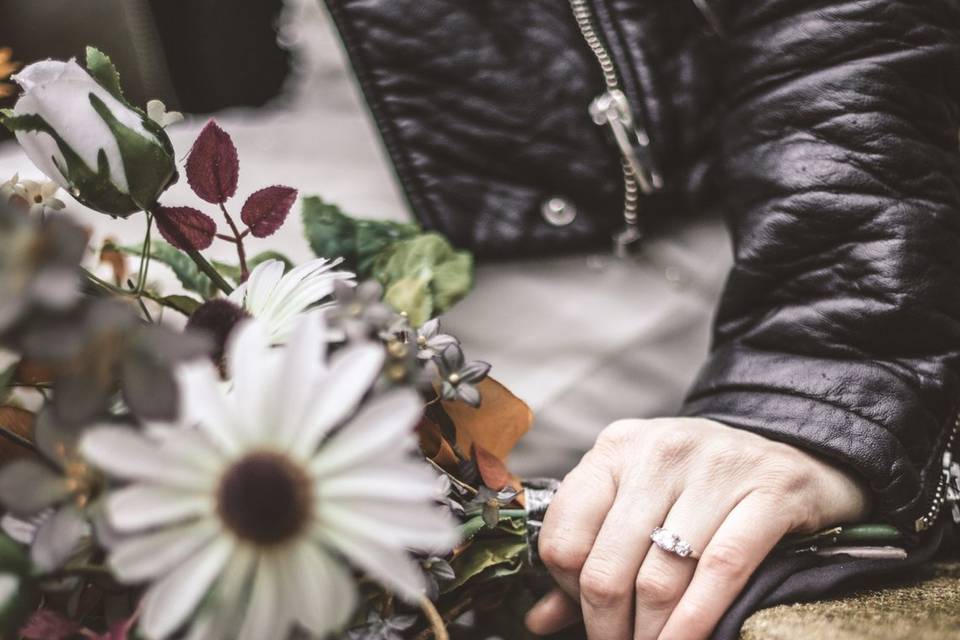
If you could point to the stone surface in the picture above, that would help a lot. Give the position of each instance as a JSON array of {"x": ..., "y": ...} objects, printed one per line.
[{"x": 927, "y": 608}]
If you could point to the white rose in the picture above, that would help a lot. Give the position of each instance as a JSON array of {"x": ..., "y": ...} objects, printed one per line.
[{"x": 76, "y": 127}]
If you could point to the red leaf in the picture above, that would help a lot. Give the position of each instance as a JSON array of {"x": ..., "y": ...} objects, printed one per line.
[
  {"x": 265, "y": 210},
  {"x": 48, "y": 625},
  {"x": 213, "y": 167},
  {"x": 185, "y": 227}
]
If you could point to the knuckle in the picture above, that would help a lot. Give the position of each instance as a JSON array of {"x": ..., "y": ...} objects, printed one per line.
[
  {"x": 656, "y": 590},
  {"x": 673, "y": 446},
  {"x": 690, "y": 615},
  {"x": 727, "y": 561},
  {"x": 599, "y": 587},
  {"x": 561, "y": 554}
]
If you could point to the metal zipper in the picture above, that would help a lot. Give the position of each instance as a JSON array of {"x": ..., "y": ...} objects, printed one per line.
[
  {"x": 612, "y": 109},
  {"x": 948, "y": 485}
]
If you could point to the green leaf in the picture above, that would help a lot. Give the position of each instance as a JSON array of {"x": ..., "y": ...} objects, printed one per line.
[
  {"x": 184, "y": 304},
  {"x": 331, "y": 234},
  {"x": 227, "y": 270},
  {"x": 183, "y": 267},
  {"x": 101, "y": 67},
  {"x": 17, "y": 584},
  {"x": 488, "y": 559},
  {"x": 412, "y": 297},
  {"x": 426, "y": 257}
]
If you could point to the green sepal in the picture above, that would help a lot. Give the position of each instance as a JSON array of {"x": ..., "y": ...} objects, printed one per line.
[
  {"x": 149, "y": 167},
  {"x": 93, "y": 189},
  {"x": 102, "y": 69}
]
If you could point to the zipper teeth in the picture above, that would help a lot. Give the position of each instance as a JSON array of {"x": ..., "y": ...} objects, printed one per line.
[
  {"x": 939, "y": 495},
  {"x": 584, "y": 17}
]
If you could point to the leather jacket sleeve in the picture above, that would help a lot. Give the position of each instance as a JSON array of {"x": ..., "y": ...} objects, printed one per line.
[{"x": 839, "y": 329}]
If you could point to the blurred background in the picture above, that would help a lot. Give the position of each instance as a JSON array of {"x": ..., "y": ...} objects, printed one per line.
[{"x": 197, "y": 56}]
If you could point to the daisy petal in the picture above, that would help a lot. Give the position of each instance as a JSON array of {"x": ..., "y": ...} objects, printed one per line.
[
  {"x": 221, "y": 619},
  {"x": 140, "y": 506},
  {"x": 405, "y": 482},
  {"x": 266, "y": 616},
  {"x": 126, "y": 454},
  {"x": 169, "y": 602},
  {"x": 261, "y": 285},
  {"x": 383, "y": 429},
  {"x": 303, "y": 364},
  {"x": 337, "y": 394},
  {"x": 423, "y": 527},
  {"x": 205, "y": 405},
  {"x": 392, "y": 568},
  {"x": 252, "y": 366},
  {"x": 147, "y": 556},
  {"x": 323, "y": 593}
]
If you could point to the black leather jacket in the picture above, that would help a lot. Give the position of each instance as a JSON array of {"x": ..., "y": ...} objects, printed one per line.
[{"x": 825, "y": 131}]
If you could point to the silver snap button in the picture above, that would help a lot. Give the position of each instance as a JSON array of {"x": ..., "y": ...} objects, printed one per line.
[{"x": 558, "y": 212}]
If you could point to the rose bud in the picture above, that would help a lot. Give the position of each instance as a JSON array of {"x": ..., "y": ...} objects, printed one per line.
[{"x": 76, "y": 127}]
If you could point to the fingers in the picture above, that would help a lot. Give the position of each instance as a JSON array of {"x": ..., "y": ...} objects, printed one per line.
[
  {"x": 738, "y": 547},
  {"x": 664, "y": 576},
  {"x": 555, "y": 611},
  {"x": 573, "y": 520},
  {"x": 608, "y": 576}
]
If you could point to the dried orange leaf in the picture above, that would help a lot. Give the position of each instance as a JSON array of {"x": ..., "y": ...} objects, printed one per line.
[
  {"x": 492, "y": 470},
  {"x": 20, "y": 422},
  {"x": 496, "y": 425},
  {"x": 434, "y": 446}
]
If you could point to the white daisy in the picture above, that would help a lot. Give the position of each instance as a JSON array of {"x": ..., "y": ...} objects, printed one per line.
[
  {"x": 260, "y": 503},
  {"x": 279, "y": 299}
]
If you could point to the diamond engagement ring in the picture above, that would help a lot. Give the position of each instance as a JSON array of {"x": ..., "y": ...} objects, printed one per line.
[{"x": 672, "y": 543}]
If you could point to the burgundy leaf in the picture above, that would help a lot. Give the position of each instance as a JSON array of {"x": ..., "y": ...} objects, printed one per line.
[
  {"x": 265, "y": 210},
  {"x": 45, "y": 624},
  {"x": 185, "y": 227},
  {"x": 212, "y": 167}
]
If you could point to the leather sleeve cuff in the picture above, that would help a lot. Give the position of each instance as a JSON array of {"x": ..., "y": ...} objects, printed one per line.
[{"x": 852, "y": 412}]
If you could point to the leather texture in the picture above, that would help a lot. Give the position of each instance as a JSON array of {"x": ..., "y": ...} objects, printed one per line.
[{"x": 825, "y": 131}]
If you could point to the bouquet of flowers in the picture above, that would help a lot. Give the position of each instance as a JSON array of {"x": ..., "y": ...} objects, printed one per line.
[{"x": 305, "y": 453}]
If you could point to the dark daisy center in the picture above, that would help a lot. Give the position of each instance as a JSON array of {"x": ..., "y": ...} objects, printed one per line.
[{"x": 265, "y": 499}]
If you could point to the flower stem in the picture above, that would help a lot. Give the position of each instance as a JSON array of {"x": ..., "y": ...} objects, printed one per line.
[
  {"x": 433, "y": 617},
  {"x": 144, "y": 256},
  {"x": 237, "y": 240}
]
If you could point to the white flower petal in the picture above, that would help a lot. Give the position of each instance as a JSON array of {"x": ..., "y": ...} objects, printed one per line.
[
  {"x": 384, "y": 427},
  {"x": 337, "y": 394},
  {"x": 323, "y": 594},
  {"x": 141, "y": 505},
  {"x": 391, "y": 567},
  {"x": 205, "y": 405},
  {"x": 421, "y": 527},
  {"x": 260, "y": 285},
  {"x": 405, "y": 481},
  {"x": 302, "y": 366},
  {"x": 253, "y": 368},
  {"x": 147, "y": 556},
  {"x": 124, "y": 453},
  {"x": 169, "y": 602},
  {"x": 59, "y": 538},
  {"x": 220, "y": 618},
  {"x": 267, "y": 615}
]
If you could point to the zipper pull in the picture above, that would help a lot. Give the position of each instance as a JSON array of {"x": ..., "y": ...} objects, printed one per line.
[{"x": 613, "y": 110}]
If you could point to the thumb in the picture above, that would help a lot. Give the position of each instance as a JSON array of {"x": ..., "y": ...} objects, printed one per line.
[{"x": 555, "y": 611}]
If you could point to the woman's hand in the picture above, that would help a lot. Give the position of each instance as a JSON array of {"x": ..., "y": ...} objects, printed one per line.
[{"x": 732, "y": 495}]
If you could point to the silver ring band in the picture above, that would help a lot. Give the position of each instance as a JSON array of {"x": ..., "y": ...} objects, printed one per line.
[{"x": 672, "y": 543}]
